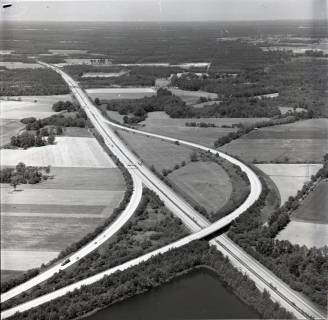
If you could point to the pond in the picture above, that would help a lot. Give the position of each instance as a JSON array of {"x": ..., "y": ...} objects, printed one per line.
[{"x": 196, "y": 295}]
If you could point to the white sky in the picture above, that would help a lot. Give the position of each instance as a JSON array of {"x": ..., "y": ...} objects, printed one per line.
[{"x": 163, "y": 10}]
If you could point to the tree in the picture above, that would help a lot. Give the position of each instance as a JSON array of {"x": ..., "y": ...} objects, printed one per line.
[
  {"x": 193, "y": 156},
  {"x": 51, "y": 138},
  {"x": 97, "y": 101},
  {"x": 15, "y": 181}
]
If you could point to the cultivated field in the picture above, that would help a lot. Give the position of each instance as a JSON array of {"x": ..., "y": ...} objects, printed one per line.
[
  {"x": 9, "y": 128},
  {"x": 161, "y": 154},
  {"x": 67, "y": 152},
  {"x": 305, "y": 233},
  {"x": 307, "y": 129},
  {"x": 315, "y": 206},
  {"x": 301, "y": 142},
  {"x": 20, "y": 65},
  {"x": 29, "y": 106},
  {"x": 120, "y": 93},
  {"x": 38, "y": 221},
  {"x": 205, "y": 182},
  {"x": 289, "y": 178},
  {"x": 278, "y": 150},
  {"x": 161, "y": 123}
]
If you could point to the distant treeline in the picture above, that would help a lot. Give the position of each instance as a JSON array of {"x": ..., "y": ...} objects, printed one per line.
[
  {"x": 154, "y": 273},
  {"x": 302, "y": 268}
]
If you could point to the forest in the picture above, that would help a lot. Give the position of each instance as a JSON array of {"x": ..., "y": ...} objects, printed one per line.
[
  {"x": 302, "y": 268},
  {"x": 31, "y": 82}
]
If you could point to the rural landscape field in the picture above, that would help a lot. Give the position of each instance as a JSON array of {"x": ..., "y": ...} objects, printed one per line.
[{"x": 147, "y": 160}]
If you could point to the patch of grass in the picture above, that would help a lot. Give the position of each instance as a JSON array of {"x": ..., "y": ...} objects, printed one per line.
[
  {"x": 8, "y": 128},
  {"x": 278, "y": 150},
  {"x": 289, "y": 178},
  {"x": 9, "y": 274},
  {"x": 160, "y": 154},
  {"x": 315, "y": 206},
  {"x": 205, "y": 182},
  {"x": 306, "y": 129}
]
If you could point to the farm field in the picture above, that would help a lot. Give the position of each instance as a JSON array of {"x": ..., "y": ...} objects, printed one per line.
[
  {"x": 9, "y": 128},
  {"x": 120, "y": 93},
  {"x": 307, "y": 129},
  {"x": 289, "y": 178},
  {"x": 67, "y": 152},
  {"x": 278, "y": 150},
  {"x": 315, "y": 206},
  {"x": 161, "y": 154},
  {"x": 41, "y": 220},
  {"x": 305, "y": 233},
  {"x": 205, "y": 182},
  {"x": 20, "y": 65},
  {"x": 29, "y": 106},
  {"x": 301, "y": 142},
  {"x": 161, "y": 123}
]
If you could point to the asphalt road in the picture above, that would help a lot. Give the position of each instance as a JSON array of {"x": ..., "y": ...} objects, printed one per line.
[{"x": 263, "y": 278}]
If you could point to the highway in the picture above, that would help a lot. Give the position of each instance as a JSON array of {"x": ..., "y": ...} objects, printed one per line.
[{"x": 263, "y": 278}]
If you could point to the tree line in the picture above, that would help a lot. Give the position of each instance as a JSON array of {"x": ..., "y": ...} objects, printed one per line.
[
  {"x": 155, "y": 272},
  {"x": 304, "y": 269}
]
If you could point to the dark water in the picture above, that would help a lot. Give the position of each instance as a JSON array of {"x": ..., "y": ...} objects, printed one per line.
[{"x": 197, "y": 295}]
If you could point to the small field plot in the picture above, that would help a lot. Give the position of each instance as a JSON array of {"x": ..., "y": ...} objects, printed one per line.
[
  {"x": 289, "y": 178},
  {"x": 82, "y": 178},
  {"x": 9, "y": 128},
  {"x": 161, "y": 154},
  {"x": 29, "y": 106},
  {"x": 305, "y": 233},
  {"x": 120, "y": 93},
  {"x": 205, "y": 182},
  {"x": 192, "y": 97},
  {"x": 20, "y": 65},
  {"x": 278, "y": 150},
  {"x": 315, "y": 206},
  {"x": 67, "y": 152}
]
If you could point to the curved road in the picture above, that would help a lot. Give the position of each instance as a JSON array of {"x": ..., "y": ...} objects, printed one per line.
[{"x": 263, "y": 278}]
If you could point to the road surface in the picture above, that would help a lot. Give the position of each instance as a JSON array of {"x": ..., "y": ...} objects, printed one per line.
[{"x": 263, "y": 278}]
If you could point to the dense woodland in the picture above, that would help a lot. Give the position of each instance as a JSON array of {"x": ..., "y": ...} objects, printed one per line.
[
  {"x": 153, "y": 273},
  {"x": 304, "y": 269},
  {"x": 30, "y": 82},
  {"x": 23, "y": 174}
]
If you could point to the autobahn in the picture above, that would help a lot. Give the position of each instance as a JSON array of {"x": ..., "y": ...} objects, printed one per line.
[{"x": 263, "y": 278}]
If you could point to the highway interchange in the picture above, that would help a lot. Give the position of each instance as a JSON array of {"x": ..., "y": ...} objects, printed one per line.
[{"x": 197, "y": 224}]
